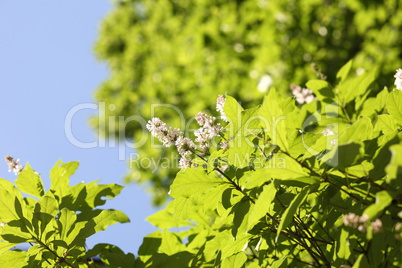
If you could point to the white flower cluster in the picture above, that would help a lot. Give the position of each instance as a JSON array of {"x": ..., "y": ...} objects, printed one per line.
[
  {"x": 172, "y": 136},
  {"x": 207, "y": 131},
  {"x": 220, "y": 104},
  {"x": 159, "y": 129},
  {"x": 302, "y": 95},
  {"x": 185, "y": 146},
  {"x": 328, "y": 132},
  {"x": 359, "y": 222},
  {"x": 13, "y": 165},
  {"x": 398, "y": 79}
]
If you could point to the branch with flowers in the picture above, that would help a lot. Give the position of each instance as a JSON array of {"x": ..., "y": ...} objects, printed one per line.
[
  {"x": 297, "y": 182},
  {"x": 312, "y": 180}
]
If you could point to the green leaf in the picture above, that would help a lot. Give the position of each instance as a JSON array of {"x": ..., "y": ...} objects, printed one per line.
[
  {"x": 344, "y": 71},
  {"x": 232, "y": 109},
  {"x": 240, "y": 220},
  {"x": 16, "y": 232},
  {"x": 102, "y": 221},
  {"x": 60, "y": 176},
  {"x": 233, "y": 246},
  {"x": 49, "y": 205},
  {"x": 344, "y": 250},
  {"x": 381, "y": 100},
  {"x": 8, "y": 186},
  {"x": 361, "y": 261},
  {"x": 150, "y": 244},
  {"x": 7, "y": 206},
  {"x": 5, "y": 245},
  {"x": 344, "y": 155},
  {"x": 234, "y": 261},
  {"x": 214, "y": 197},
  {"x": 109, "y": 217},
  {"x": 382, "y": 200},
  {"x": 273, "y": 120},
  {"x": 307, "y": 144},
  {"x": 283, "y": 167},
  {"x": 66, "y": 222},
  {"x": 183, "y": 207},
  {"x": 193, "y": 181},
  {"x": 278, "y": 263},
  {"x": 111, "y": 256},
  {"x": 353, "y": 87},
  {"x": 361, "y": 130},
  {"x": 75, "y": 197},
  {"x": 241, "y": 143},
  {"x": 44, "y": 214},
  {"x": 164, "y": 219},
  {"x": 171, "y": 243},
  {"x": 95, "y": 193},
  {"x": 13, "y": 259},
  {"x": 321, "y": 89},
  {"x": 387, "y": 124},
  {"x": 290, "y": 211},
  {"x": 29, "y": 182},
  {"x": 394, "y": 105},
  {"x": 394, "y": 168},
  {"x": 261, "y": 206}
]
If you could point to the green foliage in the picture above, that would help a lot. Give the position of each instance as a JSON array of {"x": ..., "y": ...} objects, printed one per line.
[
  {"x": 183, "y": 53},
  {"x": 313, "y": 185},
  {"x": 56, "y": 222}
]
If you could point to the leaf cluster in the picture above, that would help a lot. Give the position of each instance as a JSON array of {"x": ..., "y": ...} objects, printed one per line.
[
  {"x": 313, "y": 185},
  {"x": 55, "y": 224},
  {"x": 184, "y": 53}
]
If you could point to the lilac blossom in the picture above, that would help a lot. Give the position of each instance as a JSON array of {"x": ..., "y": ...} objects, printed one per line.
[
  {"x": 13, "y": 165},
  {"x": 359, "y": 222},
  {"x": 302, "y": 95},
  {"x": 184, "y": 162},
  {"x": 224, "y": 145},
  {"x": 398, "y": 79},
  {"x": 376, "y": 226},
  {"x": 185, "y": 146},
  {"x": 204, "y": 119},
  {"x": 159, "y": 129},
  {"x": 327, "y": 132},
  {"x": 220, "y": 104},
  {"x": 207, "y": 131},
  {"x": 333, "y": 142}
]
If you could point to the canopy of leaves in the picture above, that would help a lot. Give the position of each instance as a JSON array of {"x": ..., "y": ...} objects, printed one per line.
[
  {"x": 183, "y": 53},
  {"x": 312, "y": 185},
  {"x": 56, "y": 222}
]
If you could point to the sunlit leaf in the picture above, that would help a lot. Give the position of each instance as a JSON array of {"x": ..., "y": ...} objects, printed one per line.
[
  {"x": 66, "y": 221},
  {"x": 13, "y": 259},
  {"x": 261, "y": 206},
  {"x": 272, "y": 119},
  {"x": 16, "y": 232},
  {"x": 234, "y": 261},
  {"x": 193, "y": 181},
  {"x": 7, "y": 206},
  {"x": 383, "y": 200},
  {"x": 394, "y": 105},
  {"x": 30, "y": 182},
  {"x": 343, "y": 73}
]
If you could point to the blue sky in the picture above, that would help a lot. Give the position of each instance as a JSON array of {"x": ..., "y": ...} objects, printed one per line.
[{"x": 47, "y": 67}]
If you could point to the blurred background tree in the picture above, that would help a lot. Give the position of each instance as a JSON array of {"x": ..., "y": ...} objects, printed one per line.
[{"x": 184, "y": 53}]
